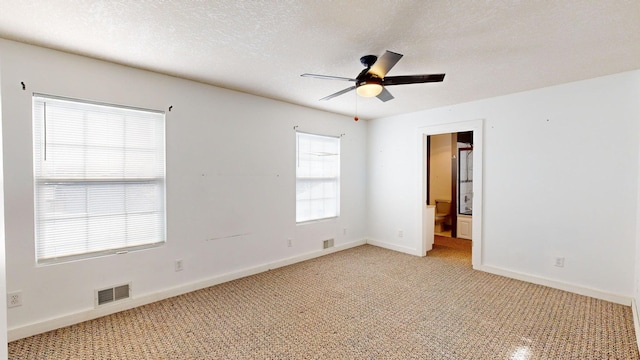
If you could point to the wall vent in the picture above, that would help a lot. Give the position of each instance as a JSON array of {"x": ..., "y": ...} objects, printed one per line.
[
  {"x": 112, "y": 294},
  {"x": 327, "y": 243}
]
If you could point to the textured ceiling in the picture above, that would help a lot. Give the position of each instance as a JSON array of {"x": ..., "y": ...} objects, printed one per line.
[{"x": 486, "y": 48}]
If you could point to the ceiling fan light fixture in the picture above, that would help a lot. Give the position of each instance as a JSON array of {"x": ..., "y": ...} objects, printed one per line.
[
  {"x": 371, "y": 81},
  {"x": 369, "y": 89}
]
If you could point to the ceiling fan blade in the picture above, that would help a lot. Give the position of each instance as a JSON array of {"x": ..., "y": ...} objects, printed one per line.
[
  {"x": 338, "y": 93},
  {"x": 384, "y": 64},
  {"x": 385, "y": 95},
  {"x": 412, "y": 79},
  {"x": 327, "y": 77}
]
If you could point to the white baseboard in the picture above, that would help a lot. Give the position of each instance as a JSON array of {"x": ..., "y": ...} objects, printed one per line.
[
  {"x": 577, "y": 289},
  {"x": 636, "y": 321},
  {"x": 394, "y": 247},
  {"x": 90, "y": 314}
]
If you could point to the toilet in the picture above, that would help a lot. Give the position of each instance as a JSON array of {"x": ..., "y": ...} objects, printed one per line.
[{"x": 443, "y": 214}]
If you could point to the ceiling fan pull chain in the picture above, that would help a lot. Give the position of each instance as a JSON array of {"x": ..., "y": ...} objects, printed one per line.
[{"x": 355, "y": 117}]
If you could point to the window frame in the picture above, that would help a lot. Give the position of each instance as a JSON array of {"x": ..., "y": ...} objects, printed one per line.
[
  {"x": 333, "y": 179},
  {"x": 150, "y": 187}
]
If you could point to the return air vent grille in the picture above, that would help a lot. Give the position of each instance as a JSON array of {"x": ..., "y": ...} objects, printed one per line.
[
  {"x": 327, "y": 244},
  {"x": 105, "y": 296},
  {"x": 112, "y": 294}
]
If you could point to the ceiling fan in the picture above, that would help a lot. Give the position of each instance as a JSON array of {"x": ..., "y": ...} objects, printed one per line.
[{"x": 372, "y": 81}]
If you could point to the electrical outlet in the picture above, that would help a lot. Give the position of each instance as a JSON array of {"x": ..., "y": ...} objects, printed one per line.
[
  {"x": 344, "y": 231},
  {"x": 179, "y": 265},
  {"x": 14, "y": 299},
  {"x": 289, "y": 242},
  {"x": 559, "y": 262},
  {"x": 400, "y": 233}
]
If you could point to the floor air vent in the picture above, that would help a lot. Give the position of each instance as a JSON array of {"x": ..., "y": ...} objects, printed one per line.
[
  {"x": 113, "y": 294},
  {"x": 327, "y": 244}
]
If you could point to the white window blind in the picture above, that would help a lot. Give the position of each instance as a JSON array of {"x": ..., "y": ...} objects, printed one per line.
[
  {"x": 99, "y": 173},
  {"x": 317, "y": 177}
]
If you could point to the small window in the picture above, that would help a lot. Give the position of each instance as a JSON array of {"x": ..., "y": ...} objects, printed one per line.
[
  {"x": 317, "y": 177},
  {"x": 99, "y": 178}
]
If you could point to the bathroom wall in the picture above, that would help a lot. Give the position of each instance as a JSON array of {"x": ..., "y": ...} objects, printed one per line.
[{"x": 440, "y": 172}]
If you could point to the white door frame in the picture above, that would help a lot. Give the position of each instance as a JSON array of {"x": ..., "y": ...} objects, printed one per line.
[{"x": 476, "y": 221}]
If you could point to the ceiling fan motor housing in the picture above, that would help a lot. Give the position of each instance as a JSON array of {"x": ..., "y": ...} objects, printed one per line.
[{"x": 368, "y": 80}]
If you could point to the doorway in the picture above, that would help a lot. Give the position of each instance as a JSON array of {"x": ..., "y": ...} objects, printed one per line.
[
  {"x": 473, "y": 190},
  {"x": 449, "y": 183}
]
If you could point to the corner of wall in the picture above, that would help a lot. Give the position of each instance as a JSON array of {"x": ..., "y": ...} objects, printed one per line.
[
  {"x": 636, "y": 321},
  {"x": 3, "y": 270},
  {"x": 636, "y": 280},
  {"x": 394, "y": 247},
  {"x": 560, "y": 285}
]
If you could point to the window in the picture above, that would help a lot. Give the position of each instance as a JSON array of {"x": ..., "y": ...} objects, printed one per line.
[
  {"x": 99, "y": 178},
  {"x": 317, "y": 177}
]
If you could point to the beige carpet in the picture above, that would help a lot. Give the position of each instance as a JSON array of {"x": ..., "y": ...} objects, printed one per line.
[{"x": 362, "y": 303}]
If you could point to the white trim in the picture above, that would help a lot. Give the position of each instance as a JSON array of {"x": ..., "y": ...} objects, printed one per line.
[
  {"x": 77, "y": 317},
  {"x": 428, "y": 225},
  {"x": 395, "y": 247},
  {"x": 327, "y": 175},
  {"x": 636, "y": 321},
  {"x": 573, "y": 288},
  {"x": 477, "y": 126}
]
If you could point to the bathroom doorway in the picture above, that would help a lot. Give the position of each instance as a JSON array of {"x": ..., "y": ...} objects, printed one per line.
[
  {"x": 464, "y": 190},
  {"x": 450, "y": 182}
]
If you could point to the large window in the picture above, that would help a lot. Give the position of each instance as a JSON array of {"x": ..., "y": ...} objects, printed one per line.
[
  {"x": 317, "y": 177},
  {"x": 99, "y": 173}
]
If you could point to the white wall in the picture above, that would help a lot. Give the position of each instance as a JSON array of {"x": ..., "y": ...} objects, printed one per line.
[
  {"x": 440, "y": 172},
  {"x": 230, "y": 185},
  {"x": 636, "y": 289},
  {"x": 560, "y": 180},
  {"x": 3, "y": 284}
]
